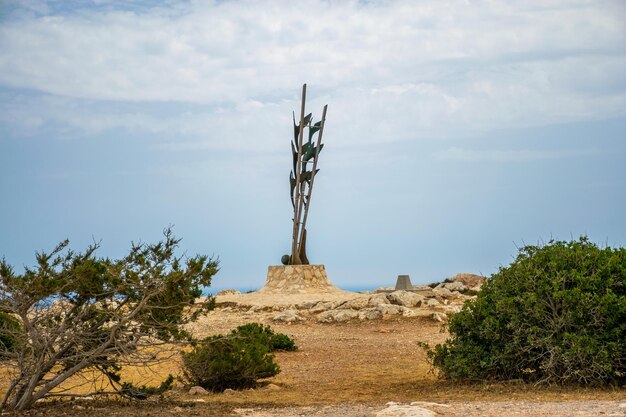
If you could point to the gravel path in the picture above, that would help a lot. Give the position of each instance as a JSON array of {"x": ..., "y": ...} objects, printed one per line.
[{"x": 426, "y": 409}]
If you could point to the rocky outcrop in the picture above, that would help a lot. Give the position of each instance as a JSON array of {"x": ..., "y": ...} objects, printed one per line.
[
  {"x": 337, "y": 306},
  {"x": 440, "y": 317},
  {"x": 469, "y": 280},
  {"x": 455, "y": 286},
  {"x": 337, "y": 316},
  {"x": 356, "y": 304},
  {"x": 197, "y": 390},
  {"x": 405, "y": 298},
  {"x": 377, "y": 299},
  {"x": 288, "y": 316},
  {"x": 381, "y": 311},
  {"x": 228, "y": 292}
]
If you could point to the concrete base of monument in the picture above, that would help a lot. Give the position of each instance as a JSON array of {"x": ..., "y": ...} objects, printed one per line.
[{"x": 297, "y": 279}]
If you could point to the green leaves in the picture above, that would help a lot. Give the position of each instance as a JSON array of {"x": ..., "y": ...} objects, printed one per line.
[
  {"x": 292, "y": 183},
  {"x": 314, "y": 129},
  {"x": 310, "y": 152},
  {"x": 77, "y": 311},
  {"x": 304, "y": 152},
  {"x": 307, "y": 176},
  {"x": 234, "y": 361},
  {"x": 296, "y": 127},
  {"x": 556, "y": 314},
  {"x": 307, "y": 119}
]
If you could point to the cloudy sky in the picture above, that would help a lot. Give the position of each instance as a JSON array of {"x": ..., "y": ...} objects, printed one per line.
[{"x": 456, "y": 130}]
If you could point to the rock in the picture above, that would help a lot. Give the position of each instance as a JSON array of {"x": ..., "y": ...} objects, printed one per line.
[
  {"x": 398, "y": 410},
  {"x": 196, "y": 390},
  {"x": 337, "y": 316},
  {"x": 421, "y": 288},
  {"x": 307, "y": 305},
  {"x": 390, "y": 310},
  {"x": 370, "y": 314},
  {"x": 288, "y": 316},
  {"x": 431, "y": 302},
  {"x": 405, "y": 298},
  {"x": 229, "y": 391},
  {"x": 326, "y": 316},
  {"x": 272, "y": 387},
  {"x": 469, "y": 280},
  {"x": 455, "y": 286},
  {"x": 377, "y": 299},
  {"x": 454, "y": 308},
  {"x": 345, "y": 315},
  {"x": 384, "y": 289},
  {"x": 178, "y": 386},
  {"x": 440, "y": 317},
  {"x": 228, "y": 292},
  {"x": 323, "y": 306},
  {"x": 442, "y": 292},
  {"x": 356, "y": 303}
]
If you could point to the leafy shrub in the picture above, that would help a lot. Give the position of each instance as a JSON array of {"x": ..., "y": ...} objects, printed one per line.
[
  {"x": 9, "y": 330},
  {"x": 281, "y": 341},
  {"x": 264, "y": 334},
  {"x": 219, "y": 362},
  {"x": 237, "y": 360},
  {"x": 80, "y": 312},
  {"x": 556, "y": 314}
]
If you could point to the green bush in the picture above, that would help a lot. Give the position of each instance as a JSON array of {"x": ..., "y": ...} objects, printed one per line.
[
  {"x": 556, "y": 314},
  {"x": 283, "y": 342},
  {"x": 81, "y": 314},
  {"x": 235, "y": 362},
  {"x": 9, "y": 330},
  {"x": 264, "y": 334}
]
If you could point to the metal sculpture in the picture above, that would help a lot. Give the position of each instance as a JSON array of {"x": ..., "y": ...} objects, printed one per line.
[{"x": 301, "y": 179}]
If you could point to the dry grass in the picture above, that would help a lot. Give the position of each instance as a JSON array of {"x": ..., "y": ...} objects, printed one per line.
[{"x": 368, "y": 363}]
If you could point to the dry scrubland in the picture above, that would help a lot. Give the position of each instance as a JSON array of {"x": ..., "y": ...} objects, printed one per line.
[{"x": 354, "y": 368}]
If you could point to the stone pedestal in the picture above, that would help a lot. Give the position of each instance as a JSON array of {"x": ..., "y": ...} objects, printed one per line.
[{"x": 297, "y": 279}]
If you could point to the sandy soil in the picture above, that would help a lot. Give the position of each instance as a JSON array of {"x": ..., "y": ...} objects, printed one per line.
[{"x": 354, "y": 369}]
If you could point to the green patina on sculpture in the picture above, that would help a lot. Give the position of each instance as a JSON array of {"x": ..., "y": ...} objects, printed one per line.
[{"x": 302, "y": 177}]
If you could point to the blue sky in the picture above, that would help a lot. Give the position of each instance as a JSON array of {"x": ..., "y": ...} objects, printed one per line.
[{"x": 456, "y": 131}]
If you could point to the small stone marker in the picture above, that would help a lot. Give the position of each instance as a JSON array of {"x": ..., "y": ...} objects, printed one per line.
[{"x": 403, "y": 283}]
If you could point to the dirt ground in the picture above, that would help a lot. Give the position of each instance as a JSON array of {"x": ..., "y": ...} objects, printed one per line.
[{"x": 353, "y": 369}]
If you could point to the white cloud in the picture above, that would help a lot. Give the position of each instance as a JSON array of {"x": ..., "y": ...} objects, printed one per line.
[
  {"x": 517, "y": 155},
  {"x": 408, "y": 69}
]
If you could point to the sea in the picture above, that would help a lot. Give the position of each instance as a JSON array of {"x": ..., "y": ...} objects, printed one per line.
[{"x": 354, "y": 288}]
